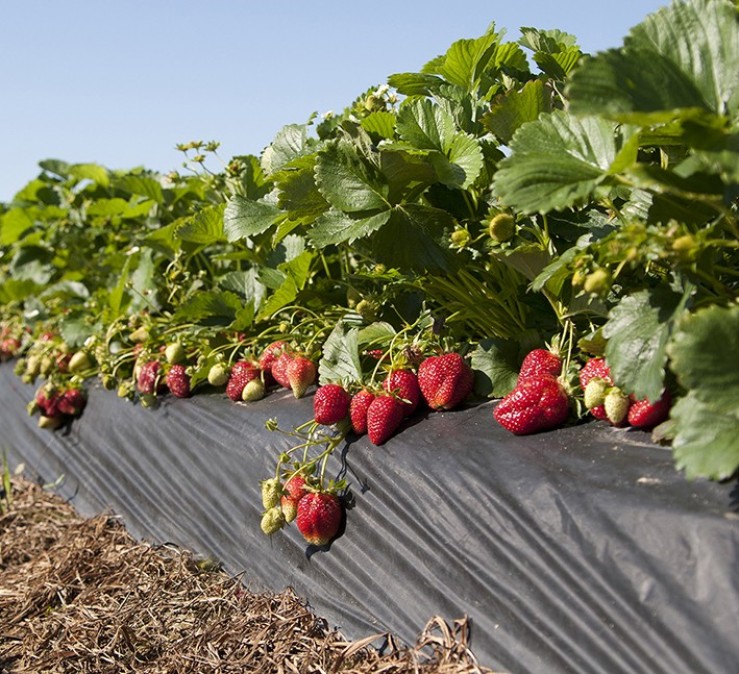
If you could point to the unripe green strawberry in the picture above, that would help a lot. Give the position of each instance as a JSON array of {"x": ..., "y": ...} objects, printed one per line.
[
  {"x": 79, "y": 362},
  {"x": 218, "y": 374},
  {"x": 595, "y": 392},
  {"x": 175, "y": 353},
  {"x": 460, "y": 237},
  {"x": 139, "y": 335},
  {"x": 271, "y": 493},
  {"x": 616, "y": 405},
  {"x": 598, "y": 282},
  {"x": 49, "y": 423},
  {"x": 254, "y": 390},
  {"x": 272, "y": 521},
  {"x": 367, "y": 309},
  {"x": 501, "y": 227}
]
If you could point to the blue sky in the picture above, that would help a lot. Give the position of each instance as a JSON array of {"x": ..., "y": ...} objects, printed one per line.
[{"x": 122, "y": 83}]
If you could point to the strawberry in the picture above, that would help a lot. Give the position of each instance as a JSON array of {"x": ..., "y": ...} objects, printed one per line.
[
  {"x": 540, "y": 361},
  {"x": 301, "y": 373},
  {"x": 330, "y": 404},
  {"x": 241, "y": 374},
  {"x": 178, "y": 381},
  {"x": 536, "y": 404},
  {"x": 47, "y": 401},
  {"x": 272, "y": 521},
  {"x": 595, "y": 367},
  {"x": 384, "y": 416},
  {"x": 267, "y": 358},
  {"x": 175, "y": 353},
  {"x": 358, "y": 407},
  {"x": 646, "y": 414},
  {"x": 445, "y": 381},
  {"x": 404, "y": 384},
  {"x": 279, "y": 368},
  {"x": 319, "y": 517},
  {"x": 616, "y": 405},
  {"x": 254, "y": 390},
  {"x": 72, "y": 402},
  {"x": 218, "y": 374},
  {"x": 147, "y": 381},
  {"x": 293, "y": 490},
  {"x": 271, "y": 492}
]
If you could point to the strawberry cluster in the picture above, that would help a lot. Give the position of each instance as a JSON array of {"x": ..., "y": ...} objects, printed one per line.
[
  {"x": 57, "y": 406},
  {"x": 607, "y": 402}
]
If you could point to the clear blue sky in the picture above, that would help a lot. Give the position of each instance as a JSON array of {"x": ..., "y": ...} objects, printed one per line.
[{"x": 121, "y": 83}]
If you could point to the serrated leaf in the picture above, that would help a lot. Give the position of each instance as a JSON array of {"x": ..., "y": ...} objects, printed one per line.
[
  {"x": 205, "y": 227},
  {"x": 558, "y": 65},
  {"x": 244, "y": 218},
  {"x": 297, "y": 192},
  {"x": 415, "y": 84},
  {"x": 246, "y": 284},
  {"x": 706, "y": 443},
  {"x": 141, "y": 186},
  {"x": 75, "y": 331},
  {"x": 348, "y": 182},
  {"x": 94, "y": 172},
  {"x": 335, "y": 227},
  {"x": 495, "y": 363},
  {"x": 212, "y": 307},
  {"x": 17, "y": 290},
  {"x": 704, "y": 352},
  {"x": 289, "y": 143},
  {"x": 340, "y": 357},
  {"x": 282, "y": 296},
  {"x": 144, "y": 283},
  {"x": 413, "y": 239},
  {"x": 515, "y": 108},
  {"x": 683, "y": 56},
  {"x": 381, "y": 123},
  {"x": 638, "y": 330},
  {"x": 558, "y": 161}
]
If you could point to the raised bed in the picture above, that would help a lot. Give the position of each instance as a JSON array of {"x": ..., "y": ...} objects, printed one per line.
[{"x": 578, "y": 550}]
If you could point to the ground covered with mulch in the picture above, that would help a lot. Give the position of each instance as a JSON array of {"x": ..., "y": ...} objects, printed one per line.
[{"x": 81, "y": 595}]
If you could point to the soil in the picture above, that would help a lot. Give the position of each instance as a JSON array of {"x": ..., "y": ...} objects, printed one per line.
[{"x": 81, "y": 595}]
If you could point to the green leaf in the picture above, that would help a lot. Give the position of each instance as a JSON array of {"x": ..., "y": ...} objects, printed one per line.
[
  {"x": 205, "y": 227},
  {"x": 284, "y": 295},
  {"x": 340, "y": 357},
  {"x": 380, "y": 124},
  {"x": 117, "y": 293},
  {"x": 683, "y": 56},
  {"x": 16, "y": 290},
  {"x": 335, "y": 227},
  {"x": 558, "y": 65},
  {"x": 416, "y": 84},
  {"x": 496, "y": 363},
  {"x": 706, "y": 443},
  {"x": 290, "y": 142},
  {"x": 510, "y": 111},
  {"x": 413, "y": 239},
  {"x": 144, "y": 284},
  {"x": 94, "y": 172},
  {"x": 107, "y": 207},
  {"x": 558, "y": 161},
  {"x": 246, "y": 284},
  {"x": 348, "y": 182},
  {"x": 244, "y": 218},
  {"x": 140, "y": 186},
  {"x": 13, "y": 224},
  {"x": 213, "y": 308},
  {"x": 704, "y": 352},
  {"x": 297, "y": 190},
  {"x": 638, "y": 330},
  {"x": 75, "y": 331}
]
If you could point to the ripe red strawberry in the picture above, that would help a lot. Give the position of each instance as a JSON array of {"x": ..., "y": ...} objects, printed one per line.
[
  {"x": 330, "y": 404},
  {"x": 645, "y": 414},
  {"x": 404, "y": 384},
  {"x": 595, "y": 367},
  {"x": 48, "y": 402},
  {"x": 536, "y": 404},
  {"x": 301, "y": 373},
  {"x": 9, "y": 347},
  {"x": 72, "y": 402},
  {"x": 242, "y": 373},
  {"x": 148, "y": 378},
  {"x": 599, "y": 412},
  {"x": 384, "y": 416},
  {"x": 267, "y": 359},
  {"x": 445, "y": 380},
  {"x": 358, "y": 407},
  {"x": 279, "y": 368},
  {"x": 178, "y": 381},
  {"x": 319, "y": 517},
  {"x": 294, "y": 490},
  {"x": 540, "y": 361}
]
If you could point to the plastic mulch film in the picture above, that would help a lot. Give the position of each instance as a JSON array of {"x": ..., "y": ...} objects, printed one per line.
[{"x": 579, "y": 550}]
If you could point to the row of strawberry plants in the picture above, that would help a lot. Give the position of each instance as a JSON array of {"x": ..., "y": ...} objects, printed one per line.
[{"x": 529, "y": 224}]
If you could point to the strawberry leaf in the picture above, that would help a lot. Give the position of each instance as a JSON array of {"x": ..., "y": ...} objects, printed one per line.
[
  {"x": 706, "y": 443},
  {"x": 340, "y": 358},
  {"x": 495, "y": 363},
  {"x": 243, "y": 218},
  {"x": 514, "y": 109},
  {"x": 638, "y": 330},
  {"x": 559, "y": 160}
]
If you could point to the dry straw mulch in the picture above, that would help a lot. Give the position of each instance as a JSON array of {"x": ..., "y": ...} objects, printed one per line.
[{"x": 80, "y": 595}]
